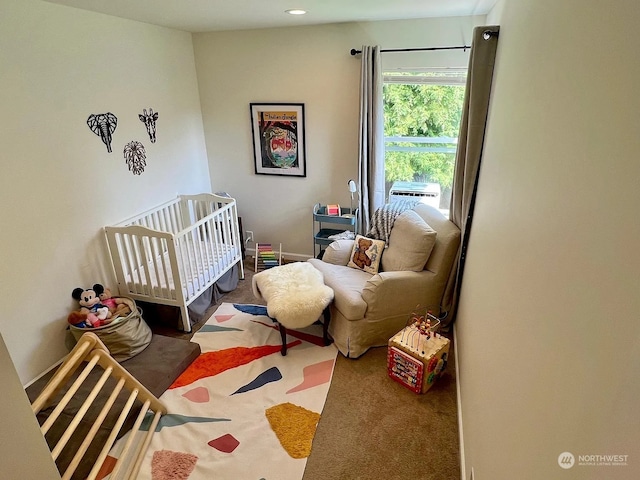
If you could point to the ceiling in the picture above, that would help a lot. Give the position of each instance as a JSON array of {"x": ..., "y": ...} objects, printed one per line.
[{"x": 215, "y": 15}]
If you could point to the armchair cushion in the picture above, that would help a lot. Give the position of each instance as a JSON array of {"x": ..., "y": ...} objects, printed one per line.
[
  {"x": 366, "y": 254},
  {"x": 410, "y": 244}
]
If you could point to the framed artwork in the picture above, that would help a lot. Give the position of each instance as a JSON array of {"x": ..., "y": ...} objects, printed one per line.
[{"x": 278, "y": 139}]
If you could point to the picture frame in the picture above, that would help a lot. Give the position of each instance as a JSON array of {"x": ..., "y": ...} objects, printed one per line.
[{"x": 278, "y": 132}]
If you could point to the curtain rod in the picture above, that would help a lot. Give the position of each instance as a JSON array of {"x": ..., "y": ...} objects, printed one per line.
[
  {"x": 487, "y": 34},
  {"x": 464, "y": 47}
]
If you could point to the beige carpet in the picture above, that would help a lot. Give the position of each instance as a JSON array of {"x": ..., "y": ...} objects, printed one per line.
[{"x": 372, "y": 427}]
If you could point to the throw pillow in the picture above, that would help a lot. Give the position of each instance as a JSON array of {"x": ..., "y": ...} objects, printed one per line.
[
  {"x": 338, "y": 252},
  {"x": 366, "y": 254},
  {"x": 410, "y": 243}
]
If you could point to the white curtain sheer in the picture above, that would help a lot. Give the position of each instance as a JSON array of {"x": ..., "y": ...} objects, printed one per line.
[{"x": 371, "y": 138}]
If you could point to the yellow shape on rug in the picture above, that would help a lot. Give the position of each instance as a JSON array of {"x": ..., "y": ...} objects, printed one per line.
[{"x": 294, "y": 426}]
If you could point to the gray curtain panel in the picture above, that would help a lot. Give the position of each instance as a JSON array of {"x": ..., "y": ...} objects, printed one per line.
[
  {"x": 371, "y": 137},
  {"x": 469, "y": 153}
]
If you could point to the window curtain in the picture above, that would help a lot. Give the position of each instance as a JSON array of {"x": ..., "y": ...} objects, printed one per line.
[
  {"x": 371, "y": 138},
  {"x": 469, "y": 153}
]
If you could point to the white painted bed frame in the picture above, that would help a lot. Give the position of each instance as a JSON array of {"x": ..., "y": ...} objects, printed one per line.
[{"x": 174, "y": 252}]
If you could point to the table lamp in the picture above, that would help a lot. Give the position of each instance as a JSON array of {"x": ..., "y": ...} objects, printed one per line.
[{"x": 352, "y": 189}]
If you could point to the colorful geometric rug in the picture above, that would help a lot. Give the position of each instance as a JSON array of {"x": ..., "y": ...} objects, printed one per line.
[{"x": 242, "y": 410}]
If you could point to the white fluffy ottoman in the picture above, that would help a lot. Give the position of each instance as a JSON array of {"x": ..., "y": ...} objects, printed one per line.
[{"x": 296, "y": 296}]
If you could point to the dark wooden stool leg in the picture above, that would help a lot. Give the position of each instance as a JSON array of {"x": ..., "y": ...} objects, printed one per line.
[
  {"x": 283, "y": 334},
  {"x": 325, "y": 326}
]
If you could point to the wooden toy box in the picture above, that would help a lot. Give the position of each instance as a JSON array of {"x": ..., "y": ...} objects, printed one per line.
[{"x": 415, "y": 361}]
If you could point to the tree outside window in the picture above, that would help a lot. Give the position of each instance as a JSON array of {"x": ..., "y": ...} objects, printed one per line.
[{"x": 422, "y": 113}]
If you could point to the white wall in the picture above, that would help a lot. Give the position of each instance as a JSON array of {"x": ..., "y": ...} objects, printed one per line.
[
  {"x": 310, "y": 65},
  {"x": 548, "y": 331},
  {"x": 23, "y": 450},
  {"x": 59, "y": 186}
]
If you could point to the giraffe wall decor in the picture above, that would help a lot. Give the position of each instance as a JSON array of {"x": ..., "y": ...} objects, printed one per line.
[{"x": 149, "y": 120}]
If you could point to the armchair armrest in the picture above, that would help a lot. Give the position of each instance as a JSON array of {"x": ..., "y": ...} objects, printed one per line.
[
  {"x": 338, "y": 252},
  {"x": 394, "y": 293}
]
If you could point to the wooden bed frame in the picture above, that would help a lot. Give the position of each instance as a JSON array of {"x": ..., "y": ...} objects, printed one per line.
[
  {"x": 89, "y": 352},
  {"x": 172, "y": 253}
]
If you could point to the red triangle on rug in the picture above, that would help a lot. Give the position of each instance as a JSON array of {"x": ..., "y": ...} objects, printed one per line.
[{"x": 225, "y": 444}]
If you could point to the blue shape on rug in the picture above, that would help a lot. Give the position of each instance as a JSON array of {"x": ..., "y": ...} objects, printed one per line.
[
  {"x": 268, "y": 376},
  {"x": 251, "y": 309},
  {"x": 174, "y": 420},
  {"x": 218, "y": 328}
]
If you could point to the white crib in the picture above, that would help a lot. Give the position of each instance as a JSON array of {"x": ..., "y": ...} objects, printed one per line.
[{"x": 174, "y": 252}]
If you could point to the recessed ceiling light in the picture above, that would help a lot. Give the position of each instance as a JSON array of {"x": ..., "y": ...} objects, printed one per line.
[{"x": 295, "y": 11}]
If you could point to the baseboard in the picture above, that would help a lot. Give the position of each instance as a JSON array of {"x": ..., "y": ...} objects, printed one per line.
[
  {"x": 55, "y": 365},
  {"x": 463, "y": 473}
]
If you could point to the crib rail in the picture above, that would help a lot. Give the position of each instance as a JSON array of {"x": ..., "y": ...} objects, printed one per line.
[
  {"x": 180, "y": 213},
  {"x": 171, "y": 254},
  {"x": 208, "y": 248},
  {"x": 144, "y": 261},
  {"x": 164, "y": 218}
]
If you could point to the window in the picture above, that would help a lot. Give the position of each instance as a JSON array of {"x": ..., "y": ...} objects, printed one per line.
[{"x": 422, "y": 112}]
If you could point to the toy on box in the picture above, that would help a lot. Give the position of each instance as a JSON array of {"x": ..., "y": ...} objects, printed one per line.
[
  {"x": 118, "y": 306},
  {"x": 266, "y": 257},
  {"x": 417, "y": 355},
  {"x": 96, "y": 313},
  {"x": 97, "y": 307},
  {"x": 405, "y": 369},
  {"x": 334, "y": 210}
]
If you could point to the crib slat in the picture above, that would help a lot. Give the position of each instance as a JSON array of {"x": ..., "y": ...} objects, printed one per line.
[
  {"x": 193, "y": 270},
  {"x": 130, "y": 258},
  {"x": 192, "y": 246},
  {"x": 218, "y": 239},
  {"x": 177, "y": 217},
  {"x": 227, "y": 237},
  {"x": 209, "y": 242},
  {"x": 223, "y": 243},
  {"x": 206, "y": 273},
  {"x": 163, "y": 273},
  {"x": 155, "y": 258},
  {"x": 140, "y": 284}
]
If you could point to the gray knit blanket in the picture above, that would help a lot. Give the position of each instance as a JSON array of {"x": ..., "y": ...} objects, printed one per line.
[{"x": 383, "y": 218}]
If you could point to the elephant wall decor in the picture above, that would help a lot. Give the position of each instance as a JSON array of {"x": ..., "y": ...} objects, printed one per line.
[{"x": 103, "y": 125}]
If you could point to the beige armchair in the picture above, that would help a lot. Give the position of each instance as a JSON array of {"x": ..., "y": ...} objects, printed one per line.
[{"x": 368, "y": 309}]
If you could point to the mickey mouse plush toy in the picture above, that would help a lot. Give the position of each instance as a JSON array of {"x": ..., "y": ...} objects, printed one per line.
[{"x": 90, "y": 305}]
